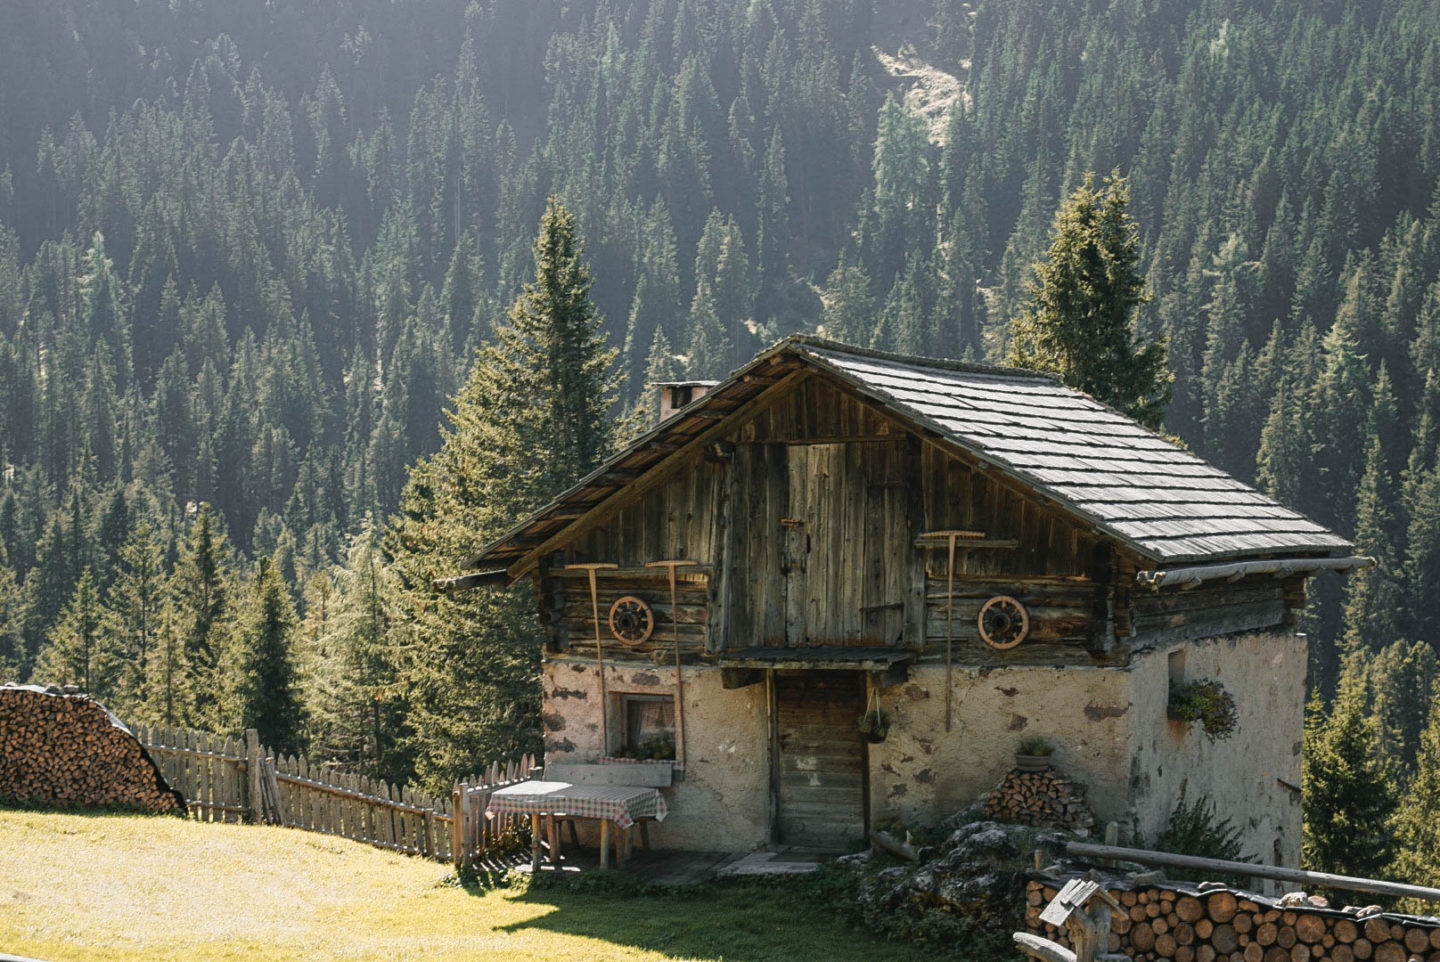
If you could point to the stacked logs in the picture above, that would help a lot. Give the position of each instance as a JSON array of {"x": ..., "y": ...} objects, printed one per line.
[
  {"x": 1184, "y": 925},
  {"x": 1043, "y": 799},
  {"x": 66, "y": 749}
]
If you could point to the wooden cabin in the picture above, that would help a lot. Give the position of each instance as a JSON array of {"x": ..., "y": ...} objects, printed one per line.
[{"x": 982, "y": 554}]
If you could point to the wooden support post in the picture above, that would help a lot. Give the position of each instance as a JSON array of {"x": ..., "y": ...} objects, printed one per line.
[
  {"x": 590, "y": 569},
  {"x": 458, "y": 835},
  {"x": 534, "y": 843},
  {"x": 772, "y": 724},
  {"x": 604, "y": 844},
  {"x": 255, "y": 796},
  {"x": 670, "y": 567},
  {"x": 950, "y": 632}
]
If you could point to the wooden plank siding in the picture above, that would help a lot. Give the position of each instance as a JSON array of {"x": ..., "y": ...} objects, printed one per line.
[
  {"x": 677, "y": 519},
  {"x": 804, "y": 520}
]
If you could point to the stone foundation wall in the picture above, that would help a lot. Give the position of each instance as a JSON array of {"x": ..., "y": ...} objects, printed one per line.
[
  {"x": 66, "y": 749},
  {"x": 922, "y": 773},
  {"x": 1179, "y": 923}
]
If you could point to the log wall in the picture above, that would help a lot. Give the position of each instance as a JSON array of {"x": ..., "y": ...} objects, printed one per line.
[
  {"x": 676, "y": 520},
  {"x": 67, "y": 750},
  {"x": 1176, "y": 922}
]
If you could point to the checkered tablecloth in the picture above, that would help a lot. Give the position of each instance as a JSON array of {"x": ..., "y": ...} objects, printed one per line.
[{"x": 621, "y": 804}]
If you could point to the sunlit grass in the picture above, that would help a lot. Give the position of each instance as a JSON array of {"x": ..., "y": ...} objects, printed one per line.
[{"x": 119, "y": 888}]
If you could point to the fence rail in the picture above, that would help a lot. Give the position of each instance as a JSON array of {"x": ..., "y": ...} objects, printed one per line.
[{"x": 230, "y": 780}]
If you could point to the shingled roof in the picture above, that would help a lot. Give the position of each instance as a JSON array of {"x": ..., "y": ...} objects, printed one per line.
[{"x": 1165, "y": 503}]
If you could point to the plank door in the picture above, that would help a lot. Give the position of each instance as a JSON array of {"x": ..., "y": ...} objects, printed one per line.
[
  {"x": 846, "y": 544},
  {"x": 820, "y": 795}
]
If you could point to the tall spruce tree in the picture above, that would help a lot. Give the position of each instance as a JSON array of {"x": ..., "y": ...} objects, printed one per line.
[
  {"x": 80, "y": 652},
  {"x": 1079, "y": 321},
  {"x": 260, "y": 676},
  {"x": 1348, "y": 791},
  {"x": 1417, "y": 821},
  {"x": 530, "y": 421},
  {"x": 356, "y": 712},
  {"x": 201, "y": 588},
  {"x": 134, "y": 601}
]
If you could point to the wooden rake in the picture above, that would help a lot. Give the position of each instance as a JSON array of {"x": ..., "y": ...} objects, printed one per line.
[
  {"x": 951, "y": 539},
  {"x": 591, "y": 568},
  {"x": 670, "y": 567}
]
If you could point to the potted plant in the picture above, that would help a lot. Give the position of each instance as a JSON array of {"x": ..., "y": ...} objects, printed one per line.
[
  {"x": 874, "y": 725},
  {"x": 1033, "y": 754},
  {"x": 1206, "y": 702}
]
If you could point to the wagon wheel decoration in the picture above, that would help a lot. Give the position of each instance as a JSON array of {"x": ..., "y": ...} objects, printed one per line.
[
  {"x": 1004, "y": 622},
  {"x": 631, "y": 621}
]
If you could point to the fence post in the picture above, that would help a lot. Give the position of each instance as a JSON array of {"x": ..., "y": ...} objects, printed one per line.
[
  {"x": 457, "y": 826},
  {"x": 252, "y": 769}
]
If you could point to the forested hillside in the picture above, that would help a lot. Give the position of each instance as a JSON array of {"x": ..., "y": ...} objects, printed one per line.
[{"x": 248, "y": 251}]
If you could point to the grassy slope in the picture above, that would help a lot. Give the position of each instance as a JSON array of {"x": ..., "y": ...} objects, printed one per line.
[{"x": 90, "y": 887}]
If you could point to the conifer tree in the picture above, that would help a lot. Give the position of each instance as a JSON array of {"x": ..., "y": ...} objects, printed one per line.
[
  {"x": 1080, "y": 316},
  {"x": 201, "y": 590},
  {"x": 260, "y": 683},
  {"x": 135, "y": 601},
  {"x": 1401, "y": 680},
  {"x": 1417, "y": 820},
  {"x": 530, "y": 421},
  {"x": 356, "y": 710},
  {"x": 849, "y": 310},
  {"x": 80, "y": 651},
  {"x": 1348, "y": 793}
]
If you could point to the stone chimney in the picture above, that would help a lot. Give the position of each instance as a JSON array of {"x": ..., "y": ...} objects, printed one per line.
[{"x": 674, "y": 395}]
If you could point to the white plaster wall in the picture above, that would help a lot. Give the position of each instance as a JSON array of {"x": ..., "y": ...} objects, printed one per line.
[
  {"x": 921, "y": 773},
  {"x": 1242, "y": 774},
  {"x": 722, "y": 801}
]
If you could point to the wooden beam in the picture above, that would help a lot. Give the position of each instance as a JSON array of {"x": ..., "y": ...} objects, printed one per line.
[
  {"x": 1193, "y": 577},
  {"x": 1251, "y": 870},
  {"x": 478, "y": 579},
  {"x": 926, "y": 541},
  {"x": 663, "y": 471}
]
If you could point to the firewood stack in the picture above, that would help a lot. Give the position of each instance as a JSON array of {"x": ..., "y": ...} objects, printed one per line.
[
  {"x": 1044, "y": 799},
  {"x": 67, "y": 750},
  {"x": 1161, "y": 923}
]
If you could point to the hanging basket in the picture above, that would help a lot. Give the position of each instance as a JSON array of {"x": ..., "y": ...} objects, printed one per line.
[{"x": 874, "y": 724}]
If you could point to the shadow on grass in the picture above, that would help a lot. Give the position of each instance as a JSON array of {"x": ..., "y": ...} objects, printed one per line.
[
  {"x": 776, "y": 919},
  {"x": 81, "y": 811}
]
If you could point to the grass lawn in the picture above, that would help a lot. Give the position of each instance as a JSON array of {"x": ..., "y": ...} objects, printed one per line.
[{"x": 120, "y": 887}]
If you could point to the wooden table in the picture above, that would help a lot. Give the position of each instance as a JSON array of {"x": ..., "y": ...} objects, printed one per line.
[{"x": 547, "y": 803}]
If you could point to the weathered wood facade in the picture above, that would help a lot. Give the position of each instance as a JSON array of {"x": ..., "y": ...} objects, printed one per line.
[{"x": 813, "y": 492}]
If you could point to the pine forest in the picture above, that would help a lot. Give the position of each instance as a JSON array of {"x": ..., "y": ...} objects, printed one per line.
[{"x": 282, "y": 286}]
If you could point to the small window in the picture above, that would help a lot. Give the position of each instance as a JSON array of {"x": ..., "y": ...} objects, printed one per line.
[
  {"x": 1177, "y": 667},
  {"x": 647, "y": 726}
]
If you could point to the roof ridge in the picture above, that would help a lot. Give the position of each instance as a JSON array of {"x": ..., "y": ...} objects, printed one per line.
[{"x": 914, "y": 360}]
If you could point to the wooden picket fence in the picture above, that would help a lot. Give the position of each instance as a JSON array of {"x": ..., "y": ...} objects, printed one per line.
[
  {"x": 472, "y": 832},
  {"x": 233, "y": 780}
]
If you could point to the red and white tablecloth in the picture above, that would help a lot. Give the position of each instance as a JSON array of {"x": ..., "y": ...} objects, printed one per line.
[{"x": 621, "y": 804}]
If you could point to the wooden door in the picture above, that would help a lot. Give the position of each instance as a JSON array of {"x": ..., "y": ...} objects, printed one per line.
[
  {"x": 820, "y": 795},
  {"x": 845, "y": 544}
]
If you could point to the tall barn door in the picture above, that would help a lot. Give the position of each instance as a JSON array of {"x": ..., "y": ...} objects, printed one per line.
[
  {"x": 820, "y": 770},
  {"x": 845, "y": 544}
]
